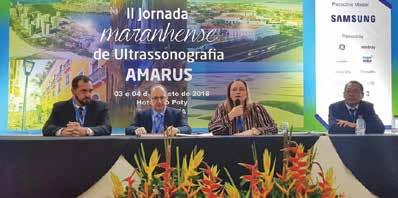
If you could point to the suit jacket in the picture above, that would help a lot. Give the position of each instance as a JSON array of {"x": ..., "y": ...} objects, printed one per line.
[
  {"x": 339, "y": 110},
  {"x": 96, "y": 118},
  {"x": 172, "y": 117}
]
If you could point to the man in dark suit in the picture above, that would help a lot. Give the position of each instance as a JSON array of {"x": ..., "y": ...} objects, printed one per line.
[
  {"x": 79, "y": 116},
  {"x": 343, "y": 114},
  {"x": 159, "y": 117}
]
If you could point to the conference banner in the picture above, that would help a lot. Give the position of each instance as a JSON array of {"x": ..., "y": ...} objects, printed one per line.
[
  {"x": 295, "y": 55},
  {"x": 294, "y": 65},
  {"x": 358, "y": 48},
  {"x": 193, "y": 47}
]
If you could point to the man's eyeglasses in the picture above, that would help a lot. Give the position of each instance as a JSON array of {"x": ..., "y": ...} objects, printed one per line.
[{"x": 158, "y": 98}]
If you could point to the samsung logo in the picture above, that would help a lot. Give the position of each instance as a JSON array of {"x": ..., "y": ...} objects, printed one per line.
[{"x": 353, "y": 18}]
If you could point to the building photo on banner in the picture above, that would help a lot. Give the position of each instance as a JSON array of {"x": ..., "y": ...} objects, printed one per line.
[{"x": 161, "y": 89}]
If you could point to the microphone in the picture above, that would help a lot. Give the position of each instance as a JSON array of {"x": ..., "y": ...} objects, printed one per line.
[{"x": 237, "y": 102}]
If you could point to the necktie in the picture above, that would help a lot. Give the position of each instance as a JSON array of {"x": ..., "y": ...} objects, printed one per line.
[
  {"x": 158, "y": 123},
  {"x": 353, "y": 112},
  {"x": 81, "y": 116}
]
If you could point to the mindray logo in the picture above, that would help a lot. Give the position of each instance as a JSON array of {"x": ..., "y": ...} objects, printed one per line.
[
  {"x": 368, "y": 47},
  {"x": 353, "y": 18}
]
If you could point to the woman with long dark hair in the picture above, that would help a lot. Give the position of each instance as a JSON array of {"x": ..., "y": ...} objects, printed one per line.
[{"x": 238, "y": 115}]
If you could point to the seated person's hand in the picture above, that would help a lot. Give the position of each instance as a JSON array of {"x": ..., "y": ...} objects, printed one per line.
[
  {"x": 255, "y": 131},
  {"x": 67, "y": 132},
  {"x": 140, "y": 131},
  {"x": 235, "y": 112},
  {"x": 74, "y": 129},
  {"x": 80, "y": 131},
  {"x": 345, "y": 124},
  {"x": 72, "y": 125},
  {"x": 172, "y": 131},
  {"x": 250, "y": 132}
]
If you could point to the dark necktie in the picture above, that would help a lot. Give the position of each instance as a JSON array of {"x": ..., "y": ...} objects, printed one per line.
[
  {"x": 81, "y": 116},
  {"x": 353, "y": 112}
]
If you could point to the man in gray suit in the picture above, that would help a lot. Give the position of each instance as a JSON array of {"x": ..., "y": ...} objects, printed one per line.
[{"x": 159, "y": 117}]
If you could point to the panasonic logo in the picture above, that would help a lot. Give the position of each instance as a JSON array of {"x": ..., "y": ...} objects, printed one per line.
[{"x": 353, "y": 18}]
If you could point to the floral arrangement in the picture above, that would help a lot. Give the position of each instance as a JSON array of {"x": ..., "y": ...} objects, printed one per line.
[{"x": 192, "y": 177}]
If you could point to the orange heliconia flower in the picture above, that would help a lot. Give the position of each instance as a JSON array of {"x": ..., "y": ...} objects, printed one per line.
[{"x": 168, "y": 184}]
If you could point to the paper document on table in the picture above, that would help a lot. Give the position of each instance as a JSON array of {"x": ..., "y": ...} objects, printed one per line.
[
  {"x": 305, "y": 133},
  {"x": 154, "y": 135},
  {"x": 195, "y": 135}
]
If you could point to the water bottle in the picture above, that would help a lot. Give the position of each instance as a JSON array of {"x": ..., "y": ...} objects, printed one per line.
[
  {"x": 284, "y": 127},
  {"x": 361, "y": 126},
  {"x": 394, "y": 128}
]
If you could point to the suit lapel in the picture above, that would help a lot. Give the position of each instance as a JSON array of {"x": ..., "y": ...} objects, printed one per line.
[
  {"x": 89, "y": 114},
  {"x": 71, "y": 115},
  {"x": 345, "y": 112},
  {"x": 167, "y": 118},
  {"x": 361, "y": 109},
  {"x": 149, "y": 120}
]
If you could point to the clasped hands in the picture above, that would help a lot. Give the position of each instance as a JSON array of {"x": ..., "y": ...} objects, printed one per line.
[{"x": 73, "y": 129}]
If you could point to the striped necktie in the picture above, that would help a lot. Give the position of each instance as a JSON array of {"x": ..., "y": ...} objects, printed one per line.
[
  {"x": 81, "y": 116},
  {"x": 158, "y": 123},
  {"x": 353, "y": 113}
]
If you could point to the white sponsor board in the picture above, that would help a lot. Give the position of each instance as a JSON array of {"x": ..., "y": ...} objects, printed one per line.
[{"x": 353, "y": 42}]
